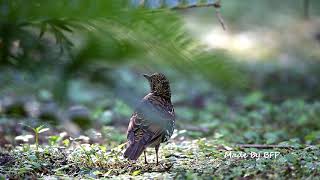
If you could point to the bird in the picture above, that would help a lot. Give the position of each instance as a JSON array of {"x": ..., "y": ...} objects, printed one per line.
[{"x": 153, "y": 120}]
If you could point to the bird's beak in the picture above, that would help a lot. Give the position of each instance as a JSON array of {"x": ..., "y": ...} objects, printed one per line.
[{"x": 146, "y": 76}]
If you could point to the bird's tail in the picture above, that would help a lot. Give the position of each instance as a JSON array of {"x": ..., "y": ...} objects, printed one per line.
[{"x": 134, "y": 151}]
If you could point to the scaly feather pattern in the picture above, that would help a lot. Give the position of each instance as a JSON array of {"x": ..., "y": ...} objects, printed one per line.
[{"x": 153, "y": 121}]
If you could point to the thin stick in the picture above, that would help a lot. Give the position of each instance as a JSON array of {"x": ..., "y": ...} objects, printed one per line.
[
  {"x": 218, "y": 14},
  {"x": 263, "y": 146},
  {"x": 193, "y": 6},
  {"x": 216, "y": 5}
]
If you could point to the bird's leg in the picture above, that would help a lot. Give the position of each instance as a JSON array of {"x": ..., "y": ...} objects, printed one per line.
[
  {"x": 157, "y": 150},
  {"x": 145, "y": 157}
]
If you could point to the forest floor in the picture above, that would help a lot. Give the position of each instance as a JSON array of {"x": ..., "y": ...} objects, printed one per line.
[
  {"x": 182, "y": 159},
  {"x": 285, "y": 139}
]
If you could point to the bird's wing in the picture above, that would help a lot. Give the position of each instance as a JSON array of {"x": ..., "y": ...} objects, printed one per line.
[{"x": 148, "y": 122}]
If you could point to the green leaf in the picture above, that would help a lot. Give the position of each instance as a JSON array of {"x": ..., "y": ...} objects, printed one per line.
[
  {"x": 66, "y": 142},
  {"x": 136, "y": 172},
  {"x": 43, "y": 130},
  {"x": 37, "y": 129}
]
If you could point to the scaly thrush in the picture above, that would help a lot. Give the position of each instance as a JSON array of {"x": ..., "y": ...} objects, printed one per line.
[{"x": 153, "y": 121}]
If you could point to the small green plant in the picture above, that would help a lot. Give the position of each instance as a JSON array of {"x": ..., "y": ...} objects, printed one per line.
[
  {"x": 38, "y": 130},
  {"x": 54, "y": 140}
]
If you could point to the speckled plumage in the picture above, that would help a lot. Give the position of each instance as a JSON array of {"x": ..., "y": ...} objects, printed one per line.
[{"x": 153, "y": 121}]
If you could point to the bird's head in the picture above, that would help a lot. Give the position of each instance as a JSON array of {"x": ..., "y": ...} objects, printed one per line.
[{"x": 159, "y": 85}]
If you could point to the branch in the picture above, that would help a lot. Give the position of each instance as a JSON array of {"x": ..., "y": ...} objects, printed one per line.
[
  {"x": 264, "y": 146},
  {"x": 218, "y": 14},
  {"x": 216, "y": 5},
  {"x": 195, "y": 6}
]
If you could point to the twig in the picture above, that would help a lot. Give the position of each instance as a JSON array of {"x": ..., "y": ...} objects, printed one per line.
[
  {"x": 194, "y": 6},
  {"x": 218, "y": 14},
  {"x": 216, "y": 5},
  {"x": 263, "y": 146},
  {"x": 176, "y": 156}
]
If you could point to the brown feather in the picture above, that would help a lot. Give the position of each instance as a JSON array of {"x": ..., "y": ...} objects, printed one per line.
[{"x": 152, "y": 122}]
